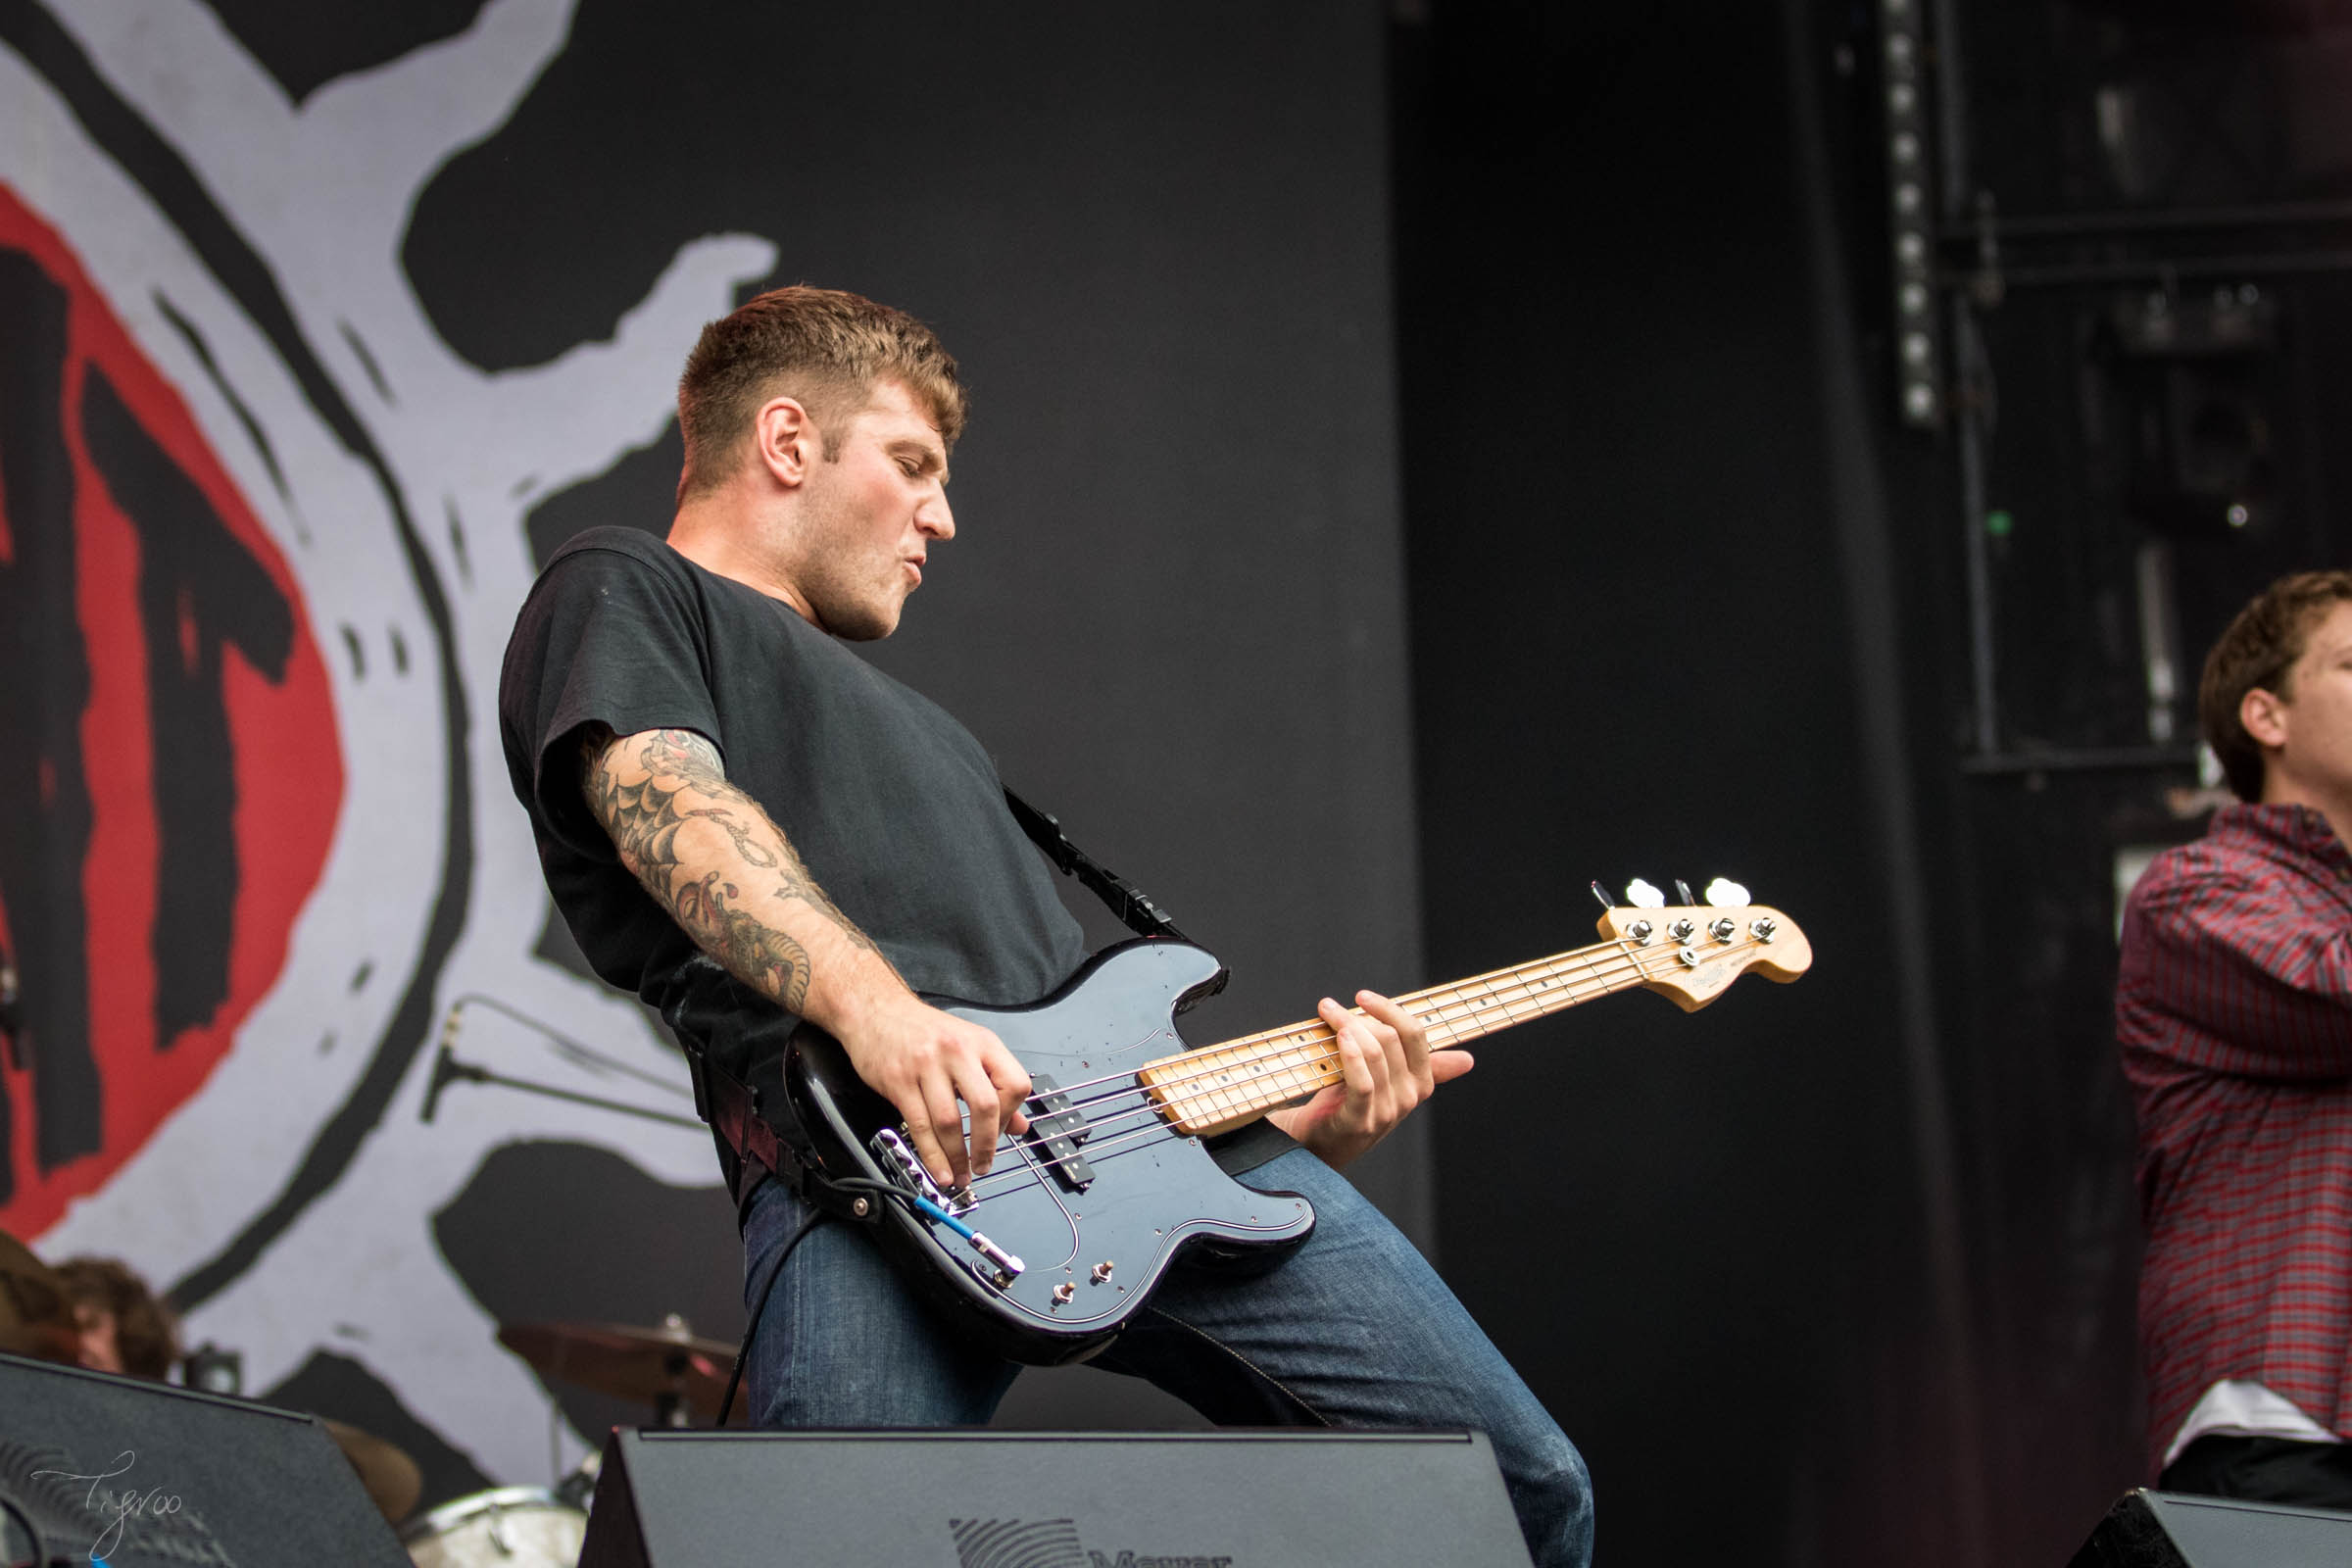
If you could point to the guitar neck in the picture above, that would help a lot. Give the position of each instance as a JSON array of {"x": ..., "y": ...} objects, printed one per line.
[{"x": 1224, "y": 1085}]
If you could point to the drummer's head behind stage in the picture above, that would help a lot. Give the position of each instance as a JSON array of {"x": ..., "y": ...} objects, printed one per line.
[{"x": 124, "y": 1327}]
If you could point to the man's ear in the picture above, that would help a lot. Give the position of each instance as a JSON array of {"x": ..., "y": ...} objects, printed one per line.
[
  {"x": 2264, "y": 715},
  {"x": 784, "y": 439}
]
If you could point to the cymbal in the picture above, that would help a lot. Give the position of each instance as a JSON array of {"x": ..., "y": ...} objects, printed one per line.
[
  {"x": 644, "y": 1364},
  {"x": 37, "y": 1314},
  {"x": 391, "y": 1477}
]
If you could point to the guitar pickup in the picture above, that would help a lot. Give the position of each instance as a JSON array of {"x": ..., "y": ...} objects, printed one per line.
[
  {"x": 897, "y": 1162},
  {"x": 1057, "y": 1134}
]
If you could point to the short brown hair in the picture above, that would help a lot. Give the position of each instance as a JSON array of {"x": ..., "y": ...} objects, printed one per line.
[
  {"x": 146, "y": 1331},
  {"x": 819, "y": 345},
  {"x": 2259, "y": 651}
]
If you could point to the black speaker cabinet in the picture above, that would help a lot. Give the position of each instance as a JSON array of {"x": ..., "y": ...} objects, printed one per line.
[
  {"x": 2174, "y": 1529},
  {"x": 143, "y": 1475},
  {"x": 1051, "y": 1499}
]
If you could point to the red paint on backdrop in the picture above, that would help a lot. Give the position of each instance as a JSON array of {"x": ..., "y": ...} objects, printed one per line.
[{"x": 287, "y": 767}]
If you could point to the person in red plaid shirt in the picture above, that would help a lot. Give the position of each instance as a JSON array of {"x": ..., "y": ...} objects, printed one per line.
[{"x": 2234, "y": 1007}]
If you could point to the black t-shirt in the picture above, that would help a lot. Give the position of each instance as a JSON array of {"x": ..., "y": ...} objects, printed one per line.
[{"x": 891, "y": 805}]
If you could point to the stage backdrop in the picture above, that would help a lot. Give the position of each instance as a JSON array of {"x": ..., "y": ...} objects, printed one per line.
[{"x": 324, "y": 326}]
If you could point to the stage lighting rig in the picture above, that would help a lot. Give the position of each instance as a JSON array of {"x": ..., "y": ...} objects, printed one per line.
[{"x": 1911, "y": 214}]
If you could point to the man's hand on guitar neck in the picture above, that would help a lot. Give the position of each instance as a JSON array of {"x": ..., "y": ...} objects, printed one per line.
[
  {"x": 1385, "y": 1069},
  {"x": 723, "y": 869}
]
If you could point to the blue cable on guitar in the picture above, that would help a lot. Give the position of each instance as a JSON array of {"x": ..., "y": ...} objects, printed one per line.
[{"x": 938, "y": 1215}]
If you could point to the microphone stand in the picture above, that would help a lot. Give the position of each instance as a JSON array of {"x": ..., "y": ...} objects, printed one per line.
[
  {"x": 9, "y": 992},
  {"x": 448, "y": 1069}
]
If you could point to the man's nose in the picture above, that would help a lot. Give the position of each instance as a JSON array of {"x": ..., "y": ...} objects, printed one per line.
[{"x": 935, "y": 519}]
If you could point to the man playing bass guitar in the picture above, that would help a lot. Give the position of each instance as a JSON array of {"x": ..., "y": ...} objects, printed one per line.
[{"x": 751, "y": 827}]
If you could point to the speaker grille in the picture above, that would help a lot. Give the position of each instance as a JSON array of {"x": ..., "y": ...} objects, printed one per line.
[
  {"x": 143, "y": 1475},
  {"x": 1011, "y": 1543}
]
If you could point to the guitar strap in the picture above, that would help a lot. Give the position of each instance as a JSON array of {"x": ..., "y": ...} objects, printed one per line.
[
  {"x": 758, "y": 1133},
  {"x": 1127, "y": 900},
  {"x": 759, "y": 1130}
]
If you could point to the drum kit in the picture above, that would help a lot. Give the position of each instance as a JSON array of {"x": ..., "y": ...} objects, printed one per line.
[{"x": 679, "y": 1377}]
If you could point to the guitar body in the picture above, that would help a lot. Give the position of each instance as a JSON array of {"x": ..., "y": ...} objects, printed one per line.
[{"x": 1106, "y": 1181}]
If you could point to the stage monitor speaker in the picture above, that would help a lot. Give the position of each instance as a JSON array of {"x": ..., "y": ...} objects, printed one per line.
[
  {"x": 143, "y": 1475},
  {"x": 2174, "y": 1529},
  {"x": 1051, "y": 1499}
]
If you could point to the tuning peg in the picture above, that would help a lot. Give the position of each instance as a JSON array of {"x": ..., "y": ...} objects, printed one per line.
[
  {"x": 1681, "y": 890},
  {"x": 1602, "y": 894},
  {"x": 1724, "y": 894},
  {"x": 1641, "y": 896}
]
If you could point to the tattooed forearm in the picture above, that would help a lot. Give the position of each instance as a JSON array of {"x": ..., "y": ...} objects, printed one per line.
[
  {"x": 644, "y": 816},
  {"x": 751, "y": 949},
  {"x": 647, "y": 795}
]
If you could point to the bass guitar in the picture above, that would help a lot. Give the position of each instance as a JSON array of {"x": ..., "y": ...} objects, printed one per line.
[{"x": 1046, "y": 1258}]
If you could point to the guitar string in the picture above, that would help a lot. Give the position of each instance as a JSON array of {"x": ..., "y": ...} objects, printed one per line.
[
  {"x": 1306, "y": 1055},
  {"x": 1125, "y": 1143},
  {"x": 1313, "y": 1063},
  {"x": 1006, "y": 1183},
  {"x": 1151, "y": 1111},
  {"x": 1153, "y": 1115},
  {"x": 1542, "y": 989},
  {"x": 1618, "y": 954},
  {"x": 1156, "y": 1122},
  {"x": 1609, "y": 966},
  {"x": 1542, "y": 984}
]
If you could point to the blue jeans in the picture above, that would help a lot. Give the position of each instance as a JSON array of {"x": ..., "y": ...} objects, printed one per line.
[{"x": 1354, "y": 1328}]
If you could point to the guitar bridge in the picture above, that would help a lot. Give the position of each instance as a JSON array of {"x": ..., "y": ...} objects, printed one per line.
[
  {"x": 897, "y": 1162},
  {"x": 1059, "y": 1133},
  {"x": 1002, "y": 1268}
]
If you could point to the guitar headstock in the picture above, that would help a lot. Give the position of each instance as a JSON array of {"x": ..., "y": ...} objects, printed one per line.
[{"x": 1690, "y": 951}]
